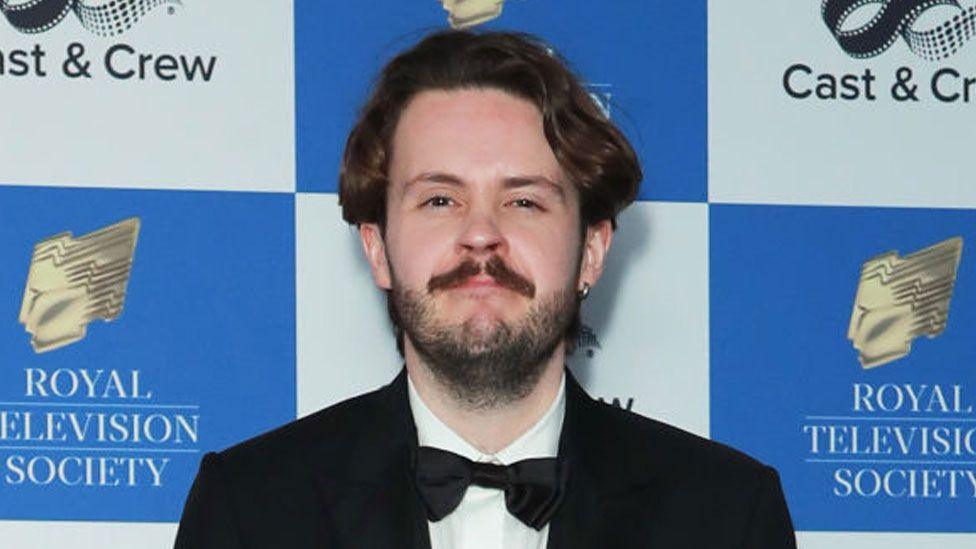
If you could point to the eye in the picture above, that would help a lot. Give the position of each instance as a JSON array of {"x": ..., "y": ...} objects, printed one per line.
[
  {"x": 526, "y": 203},
  {"x": 438, "y": 201}
]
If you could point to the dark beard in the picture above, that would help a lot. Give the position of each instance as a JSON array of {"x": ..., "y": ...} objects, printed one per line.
[{"x": 486, "y": 370}]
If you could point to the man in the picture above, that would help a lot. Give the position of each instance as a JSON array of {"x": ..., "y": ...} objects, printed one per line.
[{"x": 485, "y": 183}]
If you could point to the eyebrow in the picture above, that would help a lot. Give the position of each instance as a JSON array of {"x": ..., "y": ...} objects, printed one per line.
[{"x": 513, "y": 182}]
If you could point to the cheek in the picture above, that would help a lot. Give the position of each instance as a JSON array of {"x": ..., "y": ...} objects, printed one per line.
[
  {"x": 550, "y": 259},
  {"x": 418, "y": 254}
]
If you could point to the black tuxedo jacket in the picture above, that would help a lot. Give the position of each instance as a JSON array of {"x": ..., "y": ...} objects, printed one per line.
[{"x": 341, "y": 478}]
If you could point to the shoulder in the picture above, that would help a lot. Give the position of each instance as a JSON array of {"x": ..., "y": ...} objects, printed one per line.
[
  {"x": 645, "y": 444},
  {"x": 266, "y": 488},
  {"x": 683, "y": 482},
  {"x": 319, "y": 436}
]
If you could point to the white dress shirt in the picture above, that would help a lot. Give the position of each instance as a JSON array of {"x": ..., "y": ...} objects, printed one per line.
[{"x": 481, "y": 521}]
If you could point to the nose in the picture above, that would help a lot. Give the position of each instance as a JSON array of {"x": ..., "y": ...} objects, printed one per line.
[{"x": 480, "y": 234}]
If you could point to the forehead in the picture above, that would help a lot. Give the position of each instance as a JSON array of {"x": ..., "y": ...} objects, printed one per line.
[{"x": 478, "y": 134}]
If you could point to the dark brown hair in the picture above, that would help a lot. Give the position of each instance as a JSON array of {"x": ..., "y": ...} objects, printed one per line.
[{"x": 593, "y": 154}]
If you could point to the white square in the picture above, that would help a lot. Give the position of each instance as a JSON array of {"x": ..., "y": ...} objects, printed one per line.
[
  {"x": 234, "y": 131},
  {"x": 883, "y": 540},
  {"x": 649, "y": 313},
  {"x": 768, "y": 147},
  {"x": 87, "y": 535},
  {"x": 345, "y": 345}
]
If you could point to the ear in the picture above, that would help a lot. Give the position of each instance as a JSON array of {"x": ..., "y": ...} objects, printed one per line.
[
  {"x": 596, "y": 244},
  {"x": 375, "y": 250}
]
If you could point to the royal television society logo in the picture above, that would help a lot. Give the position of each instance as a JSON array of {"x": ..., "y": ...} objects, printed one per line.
[
  {"x": 901, "y": 298},
  {"x": 897, "y": 19},
  {"x": 105, "y": 17},
  {"x": 893, "y": 19},
  {"x": 462, "y": 14},
  {"x": 73, "y": 281},
  {"x": 93, "y": 425},
  {"x": 906, "y": 439}
]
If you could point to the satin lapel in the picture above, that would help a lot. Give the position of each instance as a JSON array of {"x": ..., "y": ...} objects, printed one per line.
[
  {"x": 603, "y": 496},
  {"x": 373, "y": 502}
]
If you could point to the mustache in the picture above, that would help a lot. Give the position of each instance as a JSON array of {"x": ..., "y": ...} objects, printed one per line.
[{"x": 494, "y": 267}]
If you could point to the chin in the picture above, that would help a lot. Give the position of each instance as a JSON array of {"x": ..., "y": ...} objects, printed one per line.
[
  {"x": 483, "y": 326},
  {"x": 464, "y": 307}
]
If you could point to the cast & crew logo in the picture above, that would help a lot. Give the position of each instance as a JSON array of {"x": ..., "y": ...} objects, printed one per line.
[
  {"x": 73, "y": 281},
  {"x": 102, "y": 18},
  {"x": 468, "y": 13},
  {"x": 896, "y": 18},
  {"x": 901, "y": 298}
]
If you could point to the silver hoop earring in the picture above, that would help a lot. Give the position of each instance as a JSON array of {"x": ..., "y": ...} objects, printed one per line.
[{"x": 582, "y": 294}]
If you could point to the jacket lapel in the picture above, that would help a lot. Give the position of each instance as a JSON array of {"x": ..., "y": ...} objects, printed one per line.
[
  {"x": 606, "y": 492},
  {"x": 371, "y": 500}
]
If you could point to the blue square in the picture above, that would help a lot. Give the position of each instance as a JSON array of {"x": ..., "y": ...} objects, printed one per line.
[
  {"x": 858, "y": 449},
  {"x": 202, "y": 355},
  {"x": 650, "y": 58}
]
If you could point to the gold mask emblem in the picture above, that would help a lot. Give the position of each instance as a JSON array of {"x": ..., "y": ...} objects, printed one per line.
[
  {"x": 468, "y": 13},
  {"x": 73, "y": 281},
  {"x": 901, "y": 298}
]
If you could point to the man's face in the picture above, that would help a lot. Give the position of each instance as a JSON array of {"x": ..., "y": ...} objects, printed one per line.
[{"x": 482, "y": 245}]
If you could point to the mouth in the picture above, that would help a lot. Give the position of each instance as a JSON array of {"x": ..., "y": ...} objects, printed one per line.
[
  {"x": 480, "y": 281},
  {"x": 479, "y": 287}
]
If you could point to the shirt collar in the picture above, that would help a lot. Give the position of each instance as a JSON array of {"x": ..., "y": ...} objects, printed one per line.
[{"x": 541, "y": 440}]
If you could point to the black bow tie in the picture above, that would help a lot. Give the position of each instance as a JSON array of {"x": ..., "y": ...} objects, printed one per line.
[{"x": 533, "y": 487}]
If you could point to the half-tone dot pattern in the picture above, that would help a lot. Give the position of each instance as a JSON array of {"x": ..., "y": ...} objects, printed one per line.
[
  {"x": 109, "y": 19},
  {"x": 115, "y": 17},
  {"x": 896, "y": 18}
]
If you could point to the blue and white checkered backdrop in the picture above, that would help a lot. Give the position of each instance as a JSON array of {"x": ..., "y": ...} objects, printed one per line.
[{"x": 765, "y": 291}]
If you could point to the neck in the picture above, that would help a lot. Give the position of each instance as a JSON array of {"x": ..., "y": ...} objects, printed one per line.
[{"x": 493, "y": 429}]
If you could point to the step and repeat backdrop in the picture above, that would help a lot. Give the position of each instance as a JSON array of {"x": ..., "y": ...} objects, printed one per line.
[{"x": 795, "y": 279}]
